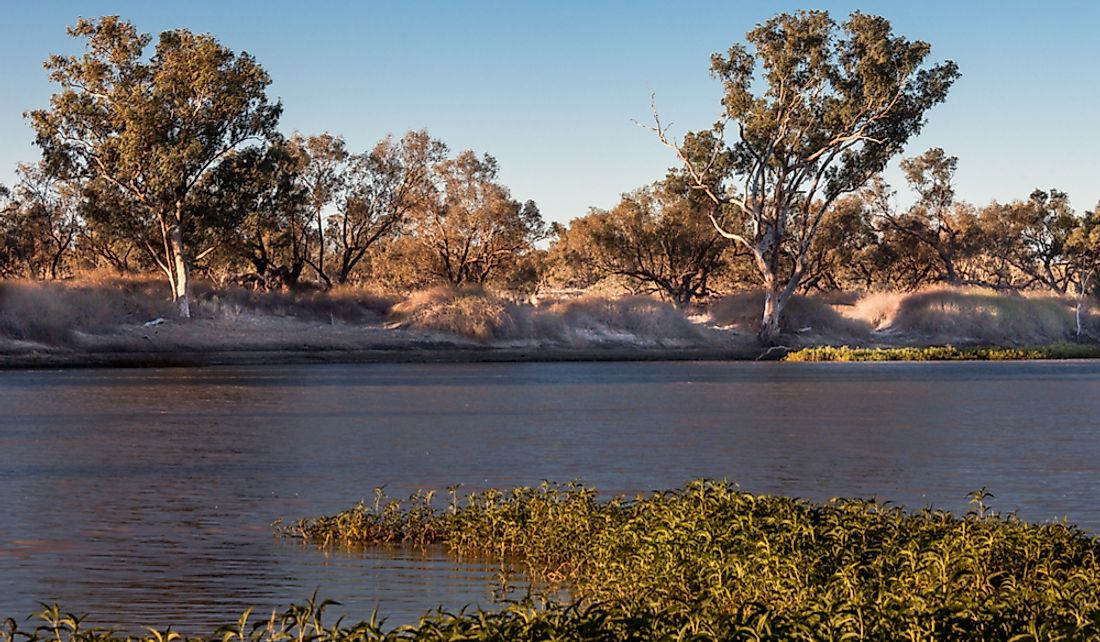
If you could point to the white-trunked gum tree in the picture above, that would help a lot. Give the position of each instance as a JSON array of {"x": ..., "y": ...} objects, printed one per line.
[
  {"x": 146, "y": 134},
  {"x": 817, "y": 110}
]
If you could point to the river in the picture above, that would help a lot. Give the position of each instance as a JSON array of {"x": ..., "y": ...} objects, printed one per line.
[{"x": 145, "y": 497}]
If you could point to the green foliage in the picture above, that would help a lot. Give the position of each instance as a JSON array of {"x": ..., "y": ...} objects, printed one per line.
[
  {"x": 38, "y": 224},
  {"x": 474, "y": 229},
  {"x": 713, "y": 562},
  {"x": 945, "y": 353},
  {"x": 147, "y": 132},
  {"x": 819, "y": 109},
  {"x": 657, "y": 237},
  {"x": 259, "y": 188}
]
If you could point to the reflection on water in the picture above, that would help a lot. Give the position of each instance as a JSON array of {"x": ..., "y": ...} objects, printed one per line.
[{"x": 146, "y": 496}]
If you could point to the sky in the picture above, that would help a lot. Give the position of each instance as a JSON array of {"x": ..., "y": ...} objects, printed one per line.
[{"x": 555, "y": 90}]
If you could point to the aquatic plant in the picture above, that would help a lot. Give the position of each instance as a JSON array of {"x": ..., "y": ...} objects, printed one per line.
[
  {"x": 706, "y": 562},
  {"x": 946, "y": 353},
  {"x": 713, "y": 562}
]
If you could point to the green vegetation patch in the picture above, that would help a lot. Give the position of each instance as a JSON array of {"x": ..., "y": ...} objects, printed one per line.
[
  {"x": 946, "y": 353},
  {"x": 713, "y": 562}
]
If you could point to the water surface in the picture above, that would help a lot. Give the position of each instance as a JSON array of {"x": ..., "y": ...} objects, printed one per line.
[{"x": 146, "y": 496}]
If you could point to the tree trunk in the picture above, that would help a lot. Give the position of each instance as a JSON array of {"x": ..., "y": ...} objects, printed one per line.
[
  {"x": 181, "y": 281},
  {"x": 773, "y": 307},
  {"x": 1082, "y": 288},
  {"x": 1077, "y": 316},
  {"x": 321, "y": 251},
  {"x": 951, "y": 276}
]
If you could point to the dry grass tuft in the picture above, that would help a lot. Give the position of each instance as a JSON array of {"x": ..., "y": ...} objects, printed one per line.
[
  {"x": 743, "y": 312},
  {"x": 53, "y": 312},
  {"x": 477, "y": 314},
  {"x": 467, "y": 312},
  {"x": 635, "y": 319},
  {"x": 973, "y": 315},
  {"x": 347, "y": 304},
  {"x": 876, "y": 309}
]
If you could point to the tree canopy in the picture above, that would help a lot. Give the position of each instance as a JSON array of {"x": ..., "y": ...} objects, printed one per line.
[
  {"x": 837, "y": 102},
  {"x": 150, "y": 131}
]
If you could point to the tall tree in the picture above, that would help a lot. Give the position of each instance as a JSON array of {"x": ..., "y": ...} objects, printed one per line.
[
  {"x": 324, "y": 178},
  {"x": 946, "y": 228},
  {"x": 474, "y": 229},
  {"x": 382, "y": 187},
  {"x": 837, "y": 104},
  {"x": 1033, "y": 235},
  {"x": 152, "y": 130},
  {"x": 842, "y": 255},
  {"x": 260, "y": 187},
  {"x": 1082, "y": 249}
]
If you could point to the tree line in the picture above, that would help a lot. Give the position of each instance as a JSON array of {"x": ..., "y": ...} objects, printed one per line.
[{"x": 168, "y": 157}]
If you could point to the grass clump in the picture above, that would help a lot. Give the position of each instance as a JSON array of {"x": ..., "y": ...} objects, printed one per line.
[
  {"x": 975, "y": 315},
  {"x": 801, "y": 315},
  {"x": 53, "y": 312},
  {"x": 713, "y": 562},
  {"x": 946, "y": 353},
  {"x": 478, "y": 314},
  {"x": 638, "y": 320},
  {"x": 341, "y": 303},
  {"x": 470, "y": 312},
  {"x": 524, "y": 620}
]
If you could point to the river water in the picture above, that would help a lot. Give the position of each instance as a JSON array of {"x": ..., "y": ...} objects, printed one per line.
[{"x": 145, "y": 497}]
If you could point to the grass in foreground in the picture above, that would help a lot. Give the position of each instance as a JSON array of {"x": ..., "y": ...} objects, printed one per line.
[
  {"x": 946, "y": 353},
  {"x": 713, "y": 562}
]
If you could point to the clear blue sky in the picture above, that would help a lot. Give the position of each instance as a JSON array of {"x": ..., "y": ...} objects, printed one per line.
[{"x": 551, "y": 89}]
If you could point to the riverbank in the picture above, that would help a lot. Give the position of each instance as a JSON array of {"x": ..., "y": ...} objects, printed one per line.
[{"x": 127, "y": 323}]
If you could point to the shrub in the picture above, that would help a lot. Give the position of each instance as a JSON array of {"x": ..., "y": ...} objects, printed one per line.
[
  {"x": 983, "y": 316},
  {"x": 343, "y": 303}
]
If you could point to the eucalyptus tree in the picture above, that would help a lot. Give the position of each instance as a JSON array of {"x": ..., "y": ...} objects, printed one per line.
[
  {"x": 381, "y": 189},
  {"x": 148, "y": 131},
  {"x": 844, "y": 252},
  {"x": 261, "y": 188},
  {"x": 473, "y": 229},
  {"x": 1082, "y": 247},
  {"x": 836, "y": 103},
  {"x": 1031, "y": 238},
  {"x": 947, "y": 228},
  {"x": 655, "y": 237},
  {"x": 41, "y": 223},
  {"x": 324, "y": 179}
]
